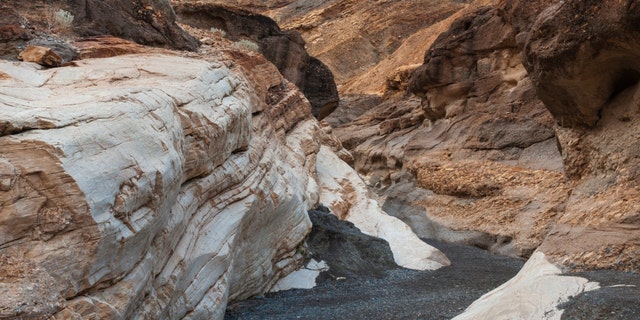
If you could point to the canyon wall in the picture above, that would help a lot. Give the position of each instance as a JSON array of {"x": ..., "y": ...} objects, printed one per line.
[
  {"x": 146, "y": 183},
  {"x": 165, "y": 195},
  {"x": 285, "y": 49},
  {"x": 582, "y": 58}
]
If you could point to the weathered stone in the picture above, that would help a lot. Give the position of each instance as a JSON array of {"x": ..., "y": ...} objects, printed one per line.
[
  {"x": 348, "y": 252},
  {"x": 149, "y": 22},
  {"x": 581, "y": 54},
  {"x": 40, "y": 55},
  {"x": 479, "y": 144},
  {"x": 65, "y": 50},
  {"x": 160, "y": 195},
  {"x": 132, "y": 188},
  {"x": 285, "y": 49},
  {"x": 106, "y": 46},
  {"x": 12, "y": 32}
]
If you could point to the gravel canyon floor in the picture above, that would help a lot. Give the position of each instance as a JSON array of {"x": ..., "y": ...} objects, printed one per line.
[
  {"x": 440, "y": 294},
  {"x": 399, "y": 294}
]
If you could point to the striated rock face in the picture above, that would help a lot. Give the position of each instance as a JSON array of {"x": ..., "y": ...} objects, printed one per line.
[
  {"x": 285, "y": 49},
  {"x": 162, "y": 197},
  {"x": 476, "y": 142},
  {"x": 132, "y": 188}
]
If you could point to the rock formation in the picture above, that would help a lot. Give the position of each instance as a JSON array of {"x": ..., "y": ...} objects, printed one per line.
[
  {"x": 285, "y": 49},
  {"x": 166, "y": 195},
  {"x": 351, "y": 36},
  {"x": 476, "y": 142},
  {"x": 159, "y": 184},
  {"x": 136, "y": 196},
  {"x": 581, "y": 57},
  {"x": 149, "y": 22}
]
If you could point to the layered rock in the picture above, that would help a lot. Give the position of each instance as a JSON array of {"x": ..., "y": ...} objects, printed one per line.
[
  {"x": 150, "y": 22},
  {"x": 137, "y": 201},
  {"x": 132, "y": 188},
  {"x": 285, "y": 49},
  {"x": 582, "y": 59},
  {"x": 476, "y": 142}
]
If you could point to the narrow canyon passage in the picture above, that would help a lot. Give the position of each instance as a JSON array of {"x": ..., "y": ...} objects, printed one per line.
[{"x": 429, "y": 159}]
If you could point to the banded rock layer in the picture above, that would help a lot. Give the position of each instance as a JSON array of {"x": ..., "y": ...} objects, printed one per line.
[
  {"x": 153, "y": 193},
  {"x": 151, "y": 185}
]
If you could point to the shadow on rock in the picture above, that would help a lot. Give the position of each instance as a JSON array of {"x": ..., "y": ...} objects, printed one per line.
[{"x": 347, "y": 251}]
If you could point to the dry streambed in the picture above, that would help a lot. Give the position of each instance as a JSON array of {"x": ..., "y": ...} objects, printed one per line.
[
  {"x": 398, "y": 294},
  {"x": 441, "y": 294}
]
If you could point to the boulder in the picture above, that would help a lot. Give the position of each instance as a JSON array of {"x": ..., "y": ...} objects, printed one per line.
[
  {"x": 347, "y": 251},
  {"x": 41, "y": 55}
]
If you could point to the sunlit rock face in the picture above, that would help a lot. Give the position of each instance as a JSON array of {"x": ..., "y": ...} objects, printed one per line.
[
  {"x": 154, "y": 185},
  {"x": 135, "y": 188}
]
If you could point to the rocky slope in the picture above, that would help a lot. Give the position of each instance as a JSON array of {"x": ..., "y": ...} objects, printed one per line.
[
  {"x": 160, "y": 184},
  {"x": 285, "y": 49},
  {"x": 477, "y": 143},
  {"x": 352, "y": 36}
]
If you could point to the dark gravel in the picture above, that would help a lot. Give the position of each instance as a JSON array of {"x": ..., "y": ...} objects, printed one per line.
[
  {"x": 611, "y": 301},
  {"x": 398, "y": 294}
]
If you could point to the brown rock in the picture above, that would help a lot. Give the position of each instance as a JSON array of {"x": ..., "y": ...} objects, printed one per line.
[
  {"x": 581, "y": 54},
  {"x": 582, "y": 57},
  {"x": 41, "y": 55},
  {"x": 12, "y": 32},
  {"x": 486, "y": 155},
  {"x": 145, "y": 22},
  {"x": 285, "y": 49},
  {"x": 106, "y": 46}
]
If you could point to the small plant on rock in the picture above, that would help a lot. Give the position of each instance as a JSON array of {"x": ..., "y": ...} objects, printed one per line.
[
  {"x": 219, "y": 31},
  {"x": 248, "y": 45}
]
